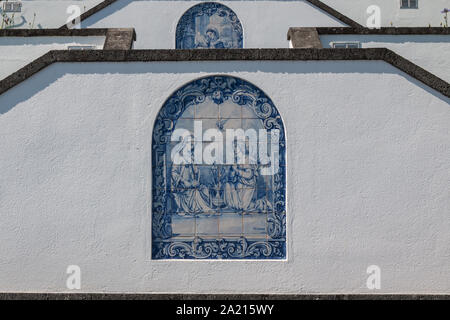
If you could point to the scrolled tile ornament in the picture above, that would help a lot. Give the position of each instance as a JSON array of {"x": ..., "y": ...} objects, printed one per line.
[
  {"x": 209, "y": 25},
  {"x": 218, "y": 210}
]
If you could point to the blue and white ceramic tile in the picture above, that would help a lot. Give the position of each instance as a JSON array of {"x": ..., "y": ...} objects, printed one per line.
[
  {"x": 209, "y": 25},
  {"x": 217, "y": 211}
]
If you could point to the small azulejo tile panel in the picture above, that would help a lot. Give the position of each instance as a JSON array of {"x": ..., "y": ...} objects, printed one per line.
[
  {"x": 219, "y": 173},
  {"x": 209, "y": 25}
]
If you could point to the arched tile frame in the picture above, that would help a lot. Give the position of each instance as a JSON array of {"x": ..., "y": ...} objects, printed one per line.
[
  {"x": 209, "y": 25},
  {"x": 220, "y": 90}
]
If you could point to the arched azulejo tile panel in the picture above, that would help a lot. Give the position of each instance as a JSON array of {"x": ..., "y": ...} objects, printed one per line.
[
  {"x": 209, "y": 25},
  {"x": 219, "y": 174}
]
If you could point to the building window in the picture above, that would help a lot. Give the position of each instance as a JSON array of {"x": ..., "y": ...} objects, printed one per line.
[
  {"x": 12, "y": 6},
  {"x": 209, "y": 25},
  {"x": 219, "y": 173},
  {"x": 82, "y": 47},
  {"x": 346, "y": 45},
  {"x": 409, "y": 4}
]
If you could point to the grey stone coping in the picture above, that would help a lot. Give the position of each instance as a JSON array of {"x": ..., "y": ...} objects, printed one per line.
[
  {"x": 194, "y": 297},
  {"x": 304, "y": 38},
  {"x": 226, "y": 55},
  {"x": 317, "y": 3},
  {"x": 115, "y": 38},
  {"x": 385, "y": 31},
  {"x": 53, "y": 32},
  {"x": 119, "y": 39},
  {"x": 92, "y": 11},
  {"x": 366, "y": 31},
  {"x": 335, "y": 13}
]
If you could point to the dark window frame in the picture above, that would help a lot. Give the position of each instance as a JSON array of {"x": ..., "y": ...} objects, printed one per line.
[
  {"x": 409, "y": 4},
  {"x": 346, "y": 44},
  {"x": 12, "y": 6}
]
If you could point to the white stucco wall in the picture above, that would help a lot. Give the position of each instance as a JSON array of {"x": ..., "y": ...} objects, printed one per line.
[
  {"x": 429, "y": 12},
  {"x": 368, "y": 180},
  {"x": 428, "y": 51},
  {"x": 17, "y": 52},
  {"x": 49, "y": 13},
  {"x": 52, "y": 13},
  {"x": 265, "y": 23}
]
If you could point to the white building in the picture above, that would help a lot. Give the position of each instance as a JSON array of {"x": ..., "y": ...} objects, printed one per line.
[{"x": 359, "y": 146}]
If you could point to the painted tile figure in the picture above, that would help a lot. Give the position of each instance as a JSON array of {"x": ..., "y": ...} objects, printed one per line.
[
  {"x": 189, "y": 195},
  {"x": 219, "y": 174},
  {"x": 209, "y": 25}
]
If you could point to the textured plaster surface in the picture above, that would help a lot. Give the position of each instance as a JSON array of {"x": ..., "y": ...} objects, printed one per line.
[
  {"x": 17, "y": 52},
  {"x": 427, "y": 51},
  {"x": 428, "y": 13},
  {"x": 368, "y": 179},
  {"x": 265, "y": 23},
  {"x": 49, "y": 14}
]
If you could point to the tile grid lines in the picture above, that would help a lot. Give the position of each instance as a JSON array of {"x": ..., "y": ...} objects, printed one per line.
[{"x": 218, "y": 116}]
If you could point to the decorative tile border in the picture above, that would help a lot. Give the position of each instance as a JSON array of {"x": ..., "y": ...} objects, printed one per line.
[
  {"x": 192, "y": 33},
  {"x": 218, "y": 89}
]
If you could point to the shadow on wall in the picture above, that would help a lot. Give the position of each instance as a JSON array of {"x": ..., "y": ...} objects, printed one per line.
[
  {"x": 394, "y": 39},
  {"x": 35, "y": 41},
  {"x": 120, "y": 4},
  {"x": 324, "y": 12},
  {"x": 107, "y": 11},
  {"x": 51, "y": 74}
]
